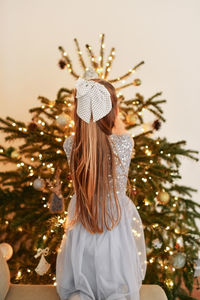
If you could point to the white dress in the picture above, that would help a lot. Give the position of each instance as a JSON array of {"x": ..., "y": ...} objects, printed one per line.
[{"x": 107, "y": 266}]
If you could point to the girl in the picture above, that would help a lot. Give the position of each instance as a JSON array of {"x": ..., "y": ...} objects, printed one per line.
[{"x": 102, "y": 254}]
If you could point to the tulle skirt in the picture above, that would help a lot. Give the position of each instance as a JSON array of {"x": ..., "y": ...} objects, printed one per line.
[{"x": 105, "y": 266}]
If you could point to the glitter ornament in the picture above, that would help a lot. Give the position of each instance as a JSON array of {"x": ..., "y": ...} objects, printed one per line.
[
  {"x": 56, "y": 203},
  {"x": 63, "y": 119},
  {"x": 157, "y": 244},
  {"x": 179, "y": 260},
  {"x": 38, "y": 184},
  {"x": 137, "y": 82},
  {"x": 163, "y": 198},
  {"x": 15, "y": 154}
]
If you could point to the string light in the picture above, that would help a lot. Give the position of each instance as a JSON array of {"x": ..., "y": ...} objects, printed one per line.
[
  {"x": 144, "y": 179},
  {"x": 169, "y": 283},
  {"x": 19, "y": 274},
  {"x": 58, "y": 139}
]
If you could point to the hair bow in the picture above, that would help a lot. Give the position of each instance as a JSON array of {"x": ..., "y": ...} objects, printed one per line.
[{"x": 93, "y": 99}]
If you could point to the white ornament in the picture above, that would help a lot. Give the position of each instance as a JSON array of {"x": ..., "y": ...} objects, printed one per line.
[
  {"x": 43, "y": 265},
  {"x": 157, "y": 244},
  {"x": 63, "y": 119},
  {"x": 6, "y": 250},
  {"x": 179, "y": 260},
  {"x": 38, "y": 184}
]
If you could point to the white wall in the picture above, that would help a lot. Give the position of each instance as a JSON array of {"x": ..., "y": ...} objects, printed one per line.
[{"x": 165, "y": 34}]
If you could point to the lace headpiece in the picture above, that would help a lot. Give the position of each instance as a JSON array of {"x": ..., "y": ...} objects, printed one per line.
[{"x": 93, "y": 99}]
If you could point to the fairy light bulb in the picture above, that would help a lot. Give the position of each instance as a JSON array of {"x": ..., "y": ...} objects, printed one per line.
[
  {"x": 58, "y": 139},
  {"x": 19, "y": 274}
]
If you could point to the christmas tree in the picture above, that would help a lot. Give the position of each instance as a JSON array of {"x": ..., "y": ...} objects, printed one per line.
[{"x": 36, "y": 192}]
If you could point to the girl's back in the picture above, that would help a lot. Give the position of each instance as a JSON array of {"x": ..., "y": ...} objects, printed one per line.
[
  {"x": 108, "y": 265},
  {"x": 96, "y": 263}
]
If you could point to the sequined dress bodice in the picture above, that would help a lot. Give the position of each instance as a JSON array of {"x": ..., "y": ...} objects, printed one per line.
[{"x": 122, "y": 146}]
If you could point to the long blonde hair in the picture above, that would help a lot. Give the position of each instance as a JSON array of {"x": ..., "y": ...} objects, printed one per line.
[{"x": 92, "y": 160}]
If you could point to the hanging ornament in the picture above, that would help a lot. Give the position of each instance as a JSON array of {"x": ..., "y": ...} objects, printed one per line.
[
  {"x": 62, "y": 63},
  {"x": 38, "y": 184},
  {"x": 63, "y": 119},
  {"x": 163, "y": 198},
  {"x": 157, "y": 244},
  {"x": 179, "y": 260},
  {"x": 6, "y": 250},
  {"x": 131, "y": 118},
  {"x": 156, "y": 124},
  {"x": 43, "y": 265},
  {"x": 15, "y": 154},
  {"x": 32, "y": 126},
  {"x": 137, "y": 82},
  {"x": 90, "y": 73},
  {"x": 56, "y": 203}
]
